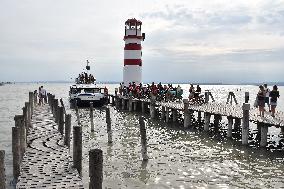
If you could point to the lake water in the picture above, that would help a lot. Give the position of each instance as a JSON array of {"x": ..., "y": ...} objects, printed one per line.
[{"x": 179, "y": 158}]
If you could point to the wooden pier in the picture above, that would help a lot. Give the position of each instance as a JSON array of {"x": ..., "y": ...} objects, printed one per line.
[{"x": 238, "y": 115}]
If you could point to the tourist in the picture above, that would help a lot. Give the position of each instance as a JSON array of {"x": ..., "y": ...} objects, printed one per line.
[
  {"x": 267, "y": 91},
  {"x": 179, "y": 92},
  {"x": 191, "y": 92},
  {"x": 261, "y": 100},
  {"x": 274, "y": 94}
]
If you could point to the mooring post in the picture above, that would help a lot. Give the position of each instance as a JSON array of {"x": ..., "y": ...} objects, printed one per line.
[
  {"x": 31, "y": 101},
  {"x": 143, "y": 139},
  {"x": 199, "y": 116},
  {"x": 130, "y": 104},
  {"x": 167, "y": 114},
  {"x": 246, "y": 97},
  {"x": 61, "y": 120},
  {"x": 152, "y": 107},
  {"x": 245, "y": 125},
  {"x": 135, "y": 105},
  {"x": 112, "y": 100},
  {"x": 163, "y": 113},
  {"x": 35, "y": 97},
  {"x": 29, "y": 123},
  {"x": 77, "y": 113},
  {"x": 217, "y": 119},
  {"x": 77, "y": 148},
  {"x": 67, "y": 130},
  {"x": 55, "y": 109},
  {"x": 142, "y": 107},
  {"x": 237, "y": 124},
  {"x": 57, "y": 114},
  {"x": 186, "y": 121},
  {"x": 19, "y": 123},
  {"x": 123, "y": 104},
  {"x": 264, "y": 131},
  {"x": 96, "y": 168},
  {"x": 108, "y": 121},
  {"x": 174, "y": 112},
  {"x": 92, "y": 116},
  {"x": 230, "y": 126},
  {"x": 206, "y": 97},
  {"x": 207, "y": 117},
  {"x": 16, "y": 151},
  {"x": 2, "y": 170},
  {"x": 25, "y": 118}
]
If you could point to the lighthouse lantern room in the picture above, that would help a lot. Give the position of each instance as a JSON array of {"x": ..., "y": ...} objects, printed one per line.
[{"x": 132, "y": 70}]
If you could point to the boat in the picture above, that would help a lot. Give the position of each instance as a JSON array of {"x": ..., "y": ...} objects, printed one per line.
[{"x": 85, "y": 90}]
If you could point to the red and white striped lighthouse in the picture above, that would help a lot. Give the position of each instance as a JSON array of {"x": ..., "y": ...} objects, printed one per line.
[{"x": 132, "y": 70}]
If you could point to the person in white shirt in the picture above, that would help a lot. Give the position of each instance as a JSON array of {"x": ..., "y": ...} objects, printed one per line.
[{"x": 267, "y": 93}]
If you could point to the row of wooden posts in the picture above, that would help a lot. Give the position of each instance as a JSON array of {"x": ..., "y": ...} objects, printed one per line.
[{"x": 127, "y": 103}]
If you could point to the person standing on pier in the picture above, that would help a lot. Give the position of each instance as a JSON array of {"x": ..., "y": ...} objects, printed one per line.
[
  {"x": 267, "y": 91},
  {"x": 261, "y": 100},
  {"x": 274, "y": 95}
]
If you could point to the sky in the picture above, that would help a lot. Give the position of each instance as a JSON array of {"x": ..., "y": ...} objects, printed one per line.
[{"x": 224, "y": 41}]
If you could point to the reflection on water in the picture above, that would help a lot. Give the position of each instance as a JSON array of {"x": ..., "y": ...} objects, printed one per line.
[{"x": 179, "y": 158}]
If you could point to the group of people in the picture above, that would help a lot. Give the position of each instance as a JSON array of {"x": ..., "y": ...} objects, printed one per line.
[
  {"x": 194, "y": 94},
  {"x": 85, "y": 78},
  {"x": 159, "y": 91},
  {"x": 42, "y": 95},
  {"x": 265, "y": 96}
]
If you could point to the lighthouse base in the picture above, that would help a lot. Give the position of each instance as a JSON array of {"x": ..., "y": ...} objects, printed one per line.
[{"x": 131, "y": 74}]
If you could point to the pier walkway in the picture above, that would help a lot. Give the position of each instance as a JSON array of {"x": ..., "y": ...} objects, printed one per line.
[{"x": 46, "y": 163}]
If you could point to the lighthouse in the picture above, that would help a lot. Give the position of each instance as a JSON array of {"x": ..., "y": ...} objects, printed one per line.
[{"x": 132, "y": 70}]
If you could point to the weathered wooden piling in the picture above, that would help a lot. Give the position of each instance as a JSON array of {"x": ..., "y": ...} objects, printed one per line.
[
  {"x": 77, "y": 113},
  {"x": 163, "y": 113},
  {"x": 217, "y": 119},
  {"x": 143, "y": 104},
  {"x": 19, "y": 123},
  {"x": 207, "y": 117},
  {"x": 2, "y": 170},
  {"x": 67, "y": 130},
  {"x": 130, "y": 105},
  {"x": 57, "y": 117},
  {"x": 16, "y": 151},
  {"x": 135, "y": 105},
  {"x": 123, "y": 104},
  {"x": 167, "y": 114},
  {"x": 108, "y": 121},
  {"x": 92, "y": 116},
  {"x": 35, "y": 98},
  {"x": 28, "y": 108},
  {"x": 96, "y": 168},
  {"x": 143, "y": 139},
  {"x": 61, "y": 120},
  {"x": 77, "y": 148},
  {"x": 25, "y": 118},
  {"x": 237, "y": 124},
  {"x": 199, "y": 116},
  {"x": 264, "y": 131},
  {"x": 31, "y": 101},
  {"x": 246, "y": 97},
  {"x": 187, "y": 118},
  {"x": 245, "y": 125},
  {"x": 174, "y": 112},
  {"x": 152, "y": 107},
  {"x": 230, "y": 126}
]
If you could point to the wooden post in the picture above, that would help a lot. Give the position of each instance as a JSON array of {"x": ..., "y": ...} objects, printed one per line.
[
  {"x": 35, "y": 97},
  {"x": 199, "y": 116},
  {"x": 19, "y": 123},
  {"x": 264, "y": 131},
  {"x": 130, "y": 104},
  {"x": 167, "y": 114},
  {"x": 92, "y": 116},
  {"x": 186, "y": 121},
  {"x": 245, "y": 125},
  {"x": 108, "y": 121},
  {"x": 67, "y": 130},
  {"x": 96, "y": 168},
  {"x": 31, "y": 101},
  {"x": 135, "y": 105},
  {"x": 282, "y": 129},
  {"x": 2, "y": 170},
  {"x": 112, "y": 100},
  {"x": 27, "y": 105},
  {"x": 143, "y": 107},
  {"x": 206, "y": 97},
  {"x": 246, "y": 97},
  {"x": 16, "y": 151},
  {"x": 174, "y": 112},
  {"x": 77, "y": 148},
  {"x": 55, "y": 108},
  {"x": 217, "y": 119},
  {"x": 77, "y": 113},
  {"x": 230, "y": 127},
  {"x": 57, "y": 117},
  {"x": 207, "y": 117},
  {"x": 163, "y": 113},
  {"x": 152, "y": 107},
  {"x": 123, "y": 104},
  {"x": 61, "y": 120},
  {"x": 237, "y": 124},
  {"x": 25, "y": 118},
  {"x": 143, "y": 139}
]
